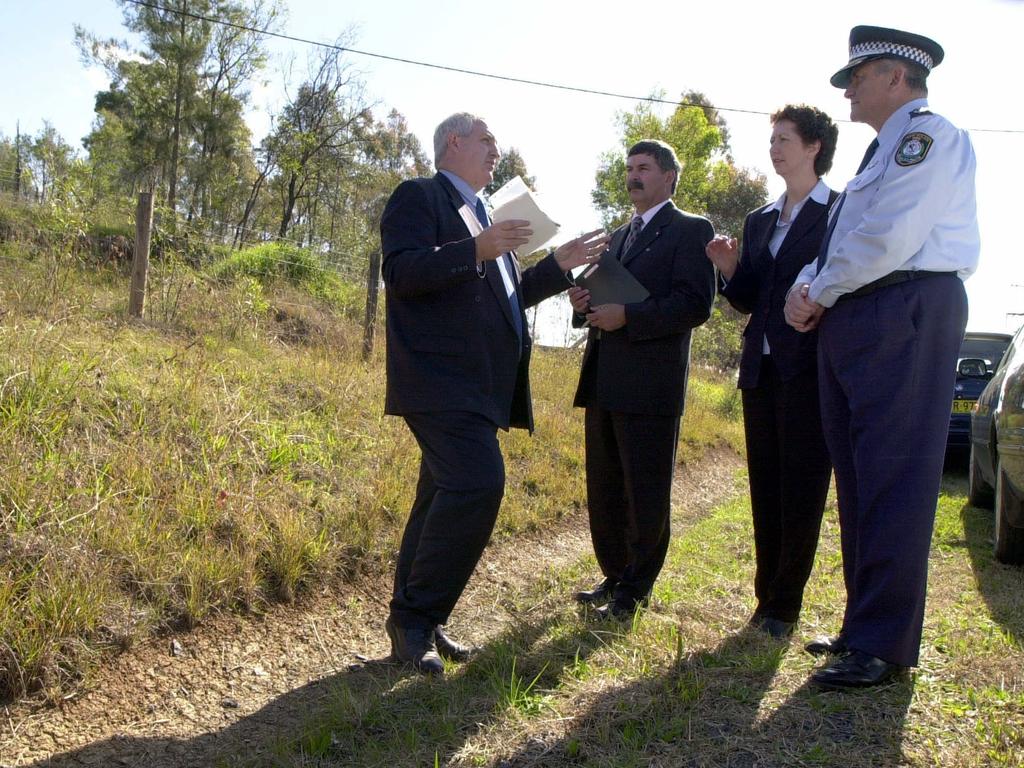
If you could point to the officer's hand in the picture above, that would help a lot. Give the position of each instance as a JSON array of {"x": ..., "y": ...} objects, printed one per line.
[
  {"x": 607, "y": 317},
  {"x": 724, "y": 254},
  {"x": 800, "y": 311},
  {"x": 580, "y": 300},
  {"x": 501, "y": 237}
]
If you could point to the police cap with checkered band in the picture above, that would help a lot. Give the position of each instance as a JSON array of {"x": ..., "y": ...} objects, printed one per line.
[{"x": 867, "y": 43}]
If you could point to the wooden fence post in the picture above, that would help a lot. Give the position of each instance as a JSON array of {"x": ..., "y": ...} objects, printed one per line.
[
  {"x": 140, "y": 264},
  {"x": 372, "y": 290}
]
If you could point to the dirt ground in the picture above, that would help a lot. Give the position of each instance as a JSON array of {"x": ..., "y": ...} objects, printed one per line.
[{"x": 237, "y": 682}]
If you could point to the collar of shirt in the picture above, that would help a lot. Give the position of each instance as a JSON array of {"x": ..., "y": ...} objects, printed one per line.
[
  {"x": 651, "y": 212},
  {"x": 463, "y": 188},
  {"x": 819, "y": 194},
  {"x": 894, "y": 128}
]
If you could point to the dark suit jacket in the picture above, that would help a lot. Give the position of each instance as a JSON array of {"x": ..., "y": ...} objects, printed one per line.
[
  {"x": 759, "y": 287},
  {"x": 451, "y": 344},
  {"x": 642, "y": 367}
]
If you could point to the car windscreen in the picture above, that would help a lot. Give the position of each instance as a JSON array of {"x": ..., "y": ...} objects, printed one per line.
[{"x": 989, "y": 350}]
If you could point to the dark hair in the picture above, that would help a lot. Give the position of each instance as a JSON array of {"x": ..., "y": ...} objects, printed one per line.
[
  {"x": 812, "y": 125},
  {"x": 662, "y": 153}
]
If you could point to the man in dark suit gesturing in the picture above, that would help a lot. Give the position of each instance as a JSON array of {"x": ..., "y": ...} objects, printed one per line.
[
  {"x": 633, "y": 381},
  {"x": 457, "y": 360}
]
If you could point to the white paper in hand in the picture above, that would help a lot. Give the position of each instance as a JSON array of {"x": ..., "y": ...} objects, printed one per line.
[{"x": 515, "y": 201}]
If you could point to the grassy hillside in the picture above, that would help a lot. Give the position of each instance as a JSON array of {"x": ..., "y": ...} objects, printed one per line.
[{"x": 227, "y": 452}]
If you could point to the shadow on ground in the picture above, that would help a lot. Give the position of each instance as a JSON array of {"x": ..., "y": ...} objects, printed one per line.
[
  {"x": 373, "y": 714},
  {"x": 1001, "y": 586},
  {"x": 710, "y": 710}
]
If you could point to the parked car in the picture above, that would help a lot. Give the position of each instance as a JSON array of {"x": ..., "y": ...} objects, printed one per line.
[
  {"x": 996, "y": 474},
  {"x": 980, "y": 353}
]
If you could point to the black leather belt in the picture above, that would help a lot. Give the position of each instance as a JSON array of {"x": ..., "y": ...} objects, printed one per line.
[{"x": 900, "y": 276}]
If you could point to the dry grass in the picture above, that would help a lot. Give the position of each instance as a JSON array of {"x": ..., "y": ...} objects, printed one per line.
[
  {"x": 204, "y": 460},
  {"x": 227, "y": 452}
]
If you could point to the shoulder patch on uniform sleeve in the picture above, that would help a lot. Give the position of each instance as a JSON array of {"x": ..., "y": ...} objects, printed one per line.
[{"x": 913, "y": 148}]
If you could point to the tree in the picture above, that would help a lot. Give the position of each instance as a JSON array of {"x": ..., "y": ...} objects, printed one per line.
[
  {"x": 50, "y": 159},
  {"x": 235, "y": 55},
  {"x": 510, "y": 165},
  {"x": 175, "y": 106},
  {"x": 323, "y": 121},
  {"x": 10, "y": 166},
  {"x": 157, "y": 87}
]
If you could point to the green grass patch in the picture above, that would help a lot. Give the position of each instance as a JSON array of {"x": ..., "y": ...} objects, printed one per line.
[{"x": 300, "y": 267}]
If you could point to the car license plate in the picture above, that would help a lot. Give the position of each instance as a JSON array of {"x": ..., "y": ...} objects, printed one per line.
[{"x": 963, "y": 406}]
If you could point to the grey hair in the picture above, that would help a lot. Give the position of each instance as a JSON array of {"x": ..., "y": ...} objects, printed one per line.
[
  {"x": 461, "y": 124},
  {"x": 914, "y": 75}
]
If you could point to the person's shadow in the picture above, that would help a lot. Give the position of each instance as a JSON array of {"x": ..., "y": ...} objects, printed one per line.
[
  {"x": 375, "y": 713},
  {"x": 711, "y": 709},
  {"x": 1001, "y": 586},
  {"x": 657, "y": 721}
]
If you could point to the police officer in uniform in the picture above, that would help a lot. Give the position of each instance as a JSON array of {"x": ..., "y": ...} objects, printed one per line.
[{"x": 887, "y": 295}]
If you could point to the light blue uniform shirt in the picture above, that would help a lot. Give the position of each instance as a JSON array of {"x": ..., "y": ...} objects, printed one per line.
[{"x": 904, "y": 213}]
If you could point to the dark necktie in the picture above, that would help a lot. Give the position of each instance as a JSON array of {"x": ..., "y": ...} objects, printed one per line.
[
  {"x": 634, "y": 232},
  {"x": 838, "y": 205},
  {"x": 513, "y": 299}
]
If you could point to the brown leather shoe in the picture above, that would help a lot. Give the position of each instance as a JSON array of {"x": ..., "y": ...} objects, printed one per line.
[
  {"x": 414, "y": 645},
  {"x": 819, "y": 646},
  {"x": 450, "y": 649},
  {"x": 855, "y": 669},
  {"x": 599, "y": 595}
]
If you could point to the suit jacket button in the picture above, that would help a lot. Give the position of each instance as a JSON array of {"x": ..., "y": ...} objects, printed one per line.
[{"x": 478, "y": 298}]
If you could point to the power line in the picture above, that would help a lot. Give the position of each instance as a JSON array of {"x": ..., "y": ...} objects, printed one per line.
[{"x": 476, "y": 73}]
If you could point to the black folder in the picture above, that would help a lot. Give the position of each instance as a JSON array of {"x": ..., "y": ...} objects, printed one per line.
[{"x": 611, "y": 283}]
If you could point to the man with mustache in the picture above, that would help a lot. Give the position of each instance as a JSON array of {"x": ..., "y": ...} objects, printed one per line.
[
  {"x": 633, "y": 380},
  {"x": 458, "y": 355}
]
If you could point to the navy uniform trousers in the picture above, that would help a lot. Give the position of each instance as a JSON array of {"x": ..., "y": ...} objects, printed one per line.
[{"x": 887, "y": 364}]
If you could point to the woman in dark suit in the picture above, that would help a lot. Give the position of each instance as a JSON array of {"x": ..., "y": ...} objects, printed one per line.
[{"x": 787, "y": 459}]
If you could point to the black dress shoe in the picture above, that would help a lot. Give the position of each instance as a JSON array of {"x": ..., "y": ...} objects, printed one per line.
[
  {"x": 452, "y": 649},
  {"x": 599, "y": 595},
  {"x": 776, "y": 628},
  {"x": 621, "y": 608},
  {"x": 819, "y": 646},
  {"x": 415, "y": 645},
  {"x": 855, "y": 669}
]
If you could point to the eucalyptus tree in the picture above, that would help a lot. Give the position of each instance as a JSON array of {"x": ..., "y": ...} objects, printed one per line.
[
  {"x": 510, "y": 165},
  {"x": 175, "y": 103},
  {"x": 321, "y": 122}
]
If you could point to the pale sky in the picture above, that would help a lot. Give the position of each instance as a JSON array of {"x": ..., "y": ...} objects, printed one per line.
[{"x": 744, "y": 56}]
